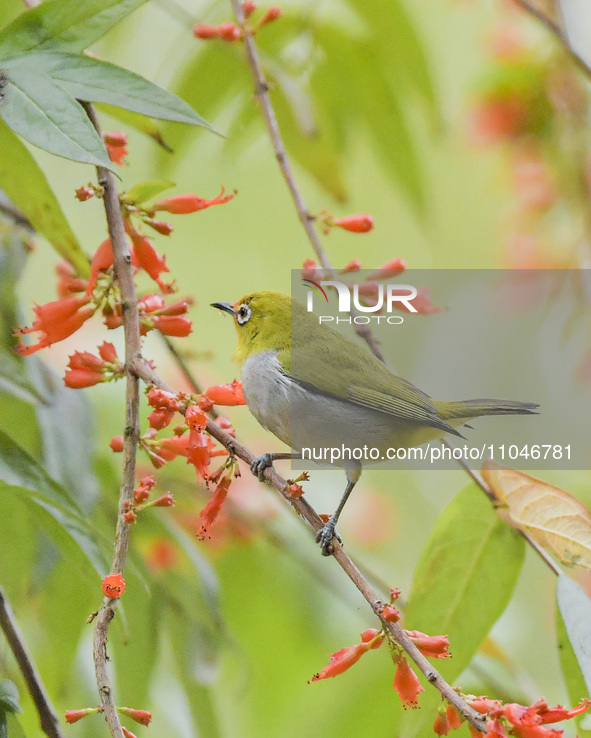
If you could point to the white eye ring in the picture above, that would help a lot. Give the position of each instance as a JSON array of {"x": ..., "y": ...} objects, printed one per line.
[{"x": 243, "y": 314}]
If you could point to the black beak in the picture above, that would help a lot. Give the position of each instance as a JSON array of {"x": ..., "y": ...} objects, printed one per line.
[{"x": 225, "y": 306}]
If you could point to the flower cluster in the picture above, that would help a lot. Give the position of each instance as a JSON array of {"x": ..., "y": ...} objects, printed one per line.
[
  {"x": 86, "y": 369},
  {"x": 141, "y": 495},
  {"x": 229, "y": 31},
  {"x": 406, "y": 682},
  {"x": 510, "y": 719}
]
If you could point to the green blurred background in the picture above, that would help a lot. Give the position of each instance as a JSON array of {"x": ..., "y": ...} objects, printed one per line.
[{"x": 266, "y": 609}]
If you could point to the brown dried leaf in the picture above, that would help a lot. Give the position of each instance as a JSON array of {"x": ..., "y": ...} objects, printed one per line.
[{"x": 552, "y": 517}]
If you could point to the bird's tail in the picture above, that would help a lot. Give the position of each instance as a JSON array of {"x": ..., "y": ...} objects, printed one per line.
[{"x": 467, "y": 409}]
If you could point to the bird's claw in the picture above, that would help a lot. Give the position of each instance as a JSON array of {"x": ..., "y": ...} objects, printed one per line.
[
  {"x": 258, "y": 466},
  {"x": 324, "y": 538}
]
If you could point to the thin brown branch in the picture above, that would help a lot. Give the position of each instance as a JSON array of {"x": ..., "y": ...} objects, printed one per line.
[
  {"x": 129, "y": 308},
  {"x": 47, "y": 715},
  {"x": 307, "y": 512},
  {"x": 261, "y": 91},
  {"x": 553, "y": 27}
]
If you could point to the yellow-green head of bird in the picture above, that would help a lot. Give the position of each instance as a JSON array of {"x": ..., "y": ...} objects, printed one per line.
[{"x": 263, "y": 323}]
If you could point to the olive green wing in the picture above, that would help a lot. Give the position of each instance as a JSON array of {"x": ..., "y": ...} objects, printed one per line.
[{"x": 326, "y": 361}]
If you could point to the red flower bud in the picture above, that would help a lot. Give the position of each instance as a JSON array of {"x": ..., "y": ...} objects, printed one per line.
[
  {"x": 116, "y": 444},
  {"x": 115, "y": 138},
  {"x": 272, "y": 14},
  {"x": 128, "y": 733},
  {"x": 143, "y": 717},
  {"x": 229, "y": 32},
  {"x": 359, "y": 223},
  {"x": 72, "y": 716},
  {"x": 441, "y": 725},
  {"x": 342, "y": 660},
  {"x": 295, "y": 490},
  {"x": 113, "y": 585},
  {"x": 141, "y": 494},
  {"x": 160, "y": 226},
  {"x": 166, "y": 500},
  {"x": 390, "y": 614},
  {"x": 130, "y": 517},
  {"x": 435, "y": 647},
  {"x": 248, "y": 8},
  {"x": 353, "y": 266}
]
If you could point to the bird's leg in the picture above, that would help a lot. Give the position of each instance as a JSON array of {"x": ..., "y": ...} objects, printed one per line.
[
  {"x": 264, "y": 461},
  {"x": 328, "y": 531}
]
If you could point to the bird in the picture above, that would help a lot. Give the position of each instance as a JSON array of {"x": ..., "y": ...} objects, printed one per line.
[{"x": 313, "y": 387}]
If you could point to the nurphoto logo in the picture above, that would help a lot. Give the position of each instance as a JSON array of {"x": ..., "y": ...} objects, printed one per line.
[{"x": 386, "y": 296}]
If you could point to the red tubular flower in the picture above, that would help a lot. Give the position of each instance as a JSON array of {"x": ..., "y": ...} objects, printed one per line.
[
  {"x": 391, "y": 268},
  {"x": 113, "y": 586},
  {"x": 358, "y": 223},
  {"x": 160, "y": 418},
  {"x": 453, "y": 718},
  {"x": 189, "y": 203},
  {"x": 434, "y": 647},
  {"x": 213, "y": 507},
  {"x": 555, "y": 714},
  {"x": 169, "y": 448},
  {"x": 148, "y": 258},
  {"x": 56, "y": 321},
  {"x": 342, "y": 660},
  {"x": 72, "y": 716},
  {"x": 177, "y": 326},
  {"x": 101, "y": 261},
  {"x": 116, "y": 143},
  {"x": 226, "y": 31},
  {"x": 198, "y": 453},
  {"x": 441, "y": 724},
  {"x": 534, "y": 731},
  {"x": 108, "y": 353},
  {"x": 143, "y": 717},
  {"x": 160, "y": 226},
  {"x": 166, "y": 500},
  {"x": 407, "y": 684},
  {"x": 177, "y": 308},
  {"x": 162, "y": 399},
  {"x": 227, "y": 394},
  {"x": 128, "y": 733},
  {"x": 484, "y": 705},
  {"x": 82, "y": 378}
]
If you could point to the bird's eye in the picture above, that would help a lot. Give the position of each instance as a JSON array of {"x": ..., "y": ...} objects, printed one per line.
[{"x": 243, "y": 314}]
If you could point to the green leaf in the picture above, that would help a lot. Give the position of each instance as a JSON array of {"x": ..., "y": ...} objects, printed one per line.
[
  {"x": 22, "y": 477},
  {"x": 465, "y": 576},
  {"x": 463, "y": 582},
  {"x": 575, "y": 682},
  {"x": 68, "y": 25},
  {"x": 575, "y": 608},
  {"x": 402, "y": 54},
  {"x": 94, "y": 80},
  {"x": 14, "y": 379},
  {"x": 9, "y": 696},
  {"x": 15, "y": 729},
  {"x": 67, "y": 453},
  {"x": 144, "y": 191},
  {"x": 25, "y": 184},
  {"x": 44, "y": 114}
]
